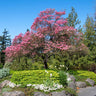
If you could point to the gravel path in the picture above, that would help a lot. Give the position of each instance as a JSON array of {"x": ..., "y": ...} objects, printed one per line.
[{"x": 89, "y": 91}]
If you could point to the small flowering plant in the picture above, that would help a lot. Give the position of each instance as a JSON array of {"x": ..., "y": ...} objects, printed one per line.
[{"x": 48, "y": 84}]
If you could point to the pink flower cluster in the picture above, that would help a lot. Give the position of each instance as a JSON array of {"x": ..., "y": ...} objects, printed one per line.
[{"x": 48, "y": 32}]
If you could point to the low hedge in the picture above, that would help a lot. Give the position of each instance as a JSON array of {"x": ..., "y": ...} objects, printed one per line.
[
  {"x": 81, "y": 74},
  {"x": 33, "y": 76}
]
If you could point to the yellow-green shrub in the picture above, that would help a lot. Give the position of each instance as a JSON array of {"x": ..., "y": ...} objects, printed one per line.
[
  {"x": 84, "y": 74},
  {"x": 33, "y": 76}
]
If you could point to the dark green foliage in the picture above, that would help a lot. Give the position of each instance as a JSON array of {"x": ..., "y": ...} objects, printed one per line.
[
  {"x": 62, "y": 78},
  {"x": 24, "y": 63},
  {"x": 92, "y": 67},
  {"x": 90, "y": 34},
  {"x": 33, "y": 76},
  {"x": 59, "y": 61},
  {"x": 5, "y": 41},
  {"x": 73, "y": 18},
  {"x": 1, "y": 65},
  {"x": 90, "y": 42}
]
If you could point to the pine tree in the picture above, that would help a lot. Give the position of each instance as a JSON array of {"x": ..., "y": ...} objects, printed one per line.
[
  {"x": 90, "y": 36},
  {"x": 73, "y": 18},
  {"x": 5, "y": 41}
]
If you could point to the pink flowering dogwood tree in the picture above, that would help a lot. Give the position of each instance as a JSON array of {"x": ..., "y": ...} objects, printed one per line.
[{"x": 49, "y": 34}]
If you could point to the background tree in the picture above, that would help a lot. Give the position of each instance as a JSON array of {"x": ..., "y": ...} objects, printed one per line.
[
  {"x": 4, "y": 43},
  {"x": 90, "y": 35},
  {"x": 0, "y": 48},
  {"x": 73, "y": 18},
  {"x": 90, "y": 42}
]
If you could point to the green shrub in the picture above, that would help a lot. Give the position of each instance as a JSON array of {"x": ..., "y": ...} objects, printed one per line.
[
  {"x": 8, "y": 64},
  {"x": 4, "y": 72},
  {"x": 62, "y": 78},
  {"x": 24, "y": 63},
  {"x": 1, "y": 65},
  {"x": 33, "y": 76},
  {"x": 71, "y": 91},
  {"x": 81, "y": 75}
]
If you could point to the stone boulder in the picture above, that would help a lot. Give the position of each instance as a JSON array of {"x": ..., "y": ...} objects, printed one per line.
[
  {"x": 4, "y": 83},
  {"x": 10, "y": 84},
  {"x": 81, "y": 84},
  {"x": 72, "y": 78},
  {"x": 62, "y": 93},
  {"x": 14, "y": 93},
  {"x": 90, "y": 81},
  {"x": 39, "y": 94},
  {"x": 72, "y": 85}
]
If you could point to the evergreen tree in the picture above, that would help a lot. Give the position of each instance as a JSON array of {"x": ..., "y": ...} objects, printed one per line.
[
  {"x": 73, "y": 18},
  {"x": 0, "y": 47},
  {"x": 5, "y": 41},
  {"x": 0, "y": 42},
  {"x": 90, "y": 35}
]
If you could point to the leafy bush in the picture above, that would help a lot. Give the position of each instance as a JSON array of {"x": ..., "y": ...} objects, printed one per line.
[
  {"x": 93, "y": 67},
  {"x": 1, "y": 65},
  {"x": 59, "y": 62},
  {"x": 71, "y": 91},
  {"x": 62, "y": 78},
  {"x": 33, "y": 76},
  {"x": 8, "y": 64},
  {"x": 24, "y": 63},
  {"x": 81, "y": 75},
  {"x": 4, "y": 72}
]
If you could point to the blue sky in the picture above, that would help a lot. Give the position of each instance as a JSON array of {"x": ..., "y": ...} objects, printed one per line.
[{"x": 18, "y": 15}]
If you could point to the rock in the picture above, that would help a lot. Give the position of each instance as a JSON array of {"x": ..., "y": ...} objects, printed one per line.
[
  {"x": 72, "y": 85},
  {"x": 39, "y": 94},
  {"x": 81, "y": 84},
  {"x": 14, "y": 93},
  {"x": 62, "y": 93},
  {"x": 72, "y": 78},
  {"x": 4, "y": 83},
  {"x": 18, "y": 85},
  {"x": 90, "y": 81},
  {"x": 10, "y": 84}
]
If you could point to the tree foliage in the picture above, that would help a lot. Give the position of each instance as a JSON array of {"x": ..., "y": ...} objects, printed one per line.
[
  {"x": 90, "y": 35},
  {"x": 5, "y": 41},
  {"x": 49, "y": 34},
  {"x": 73, "y": 18}
]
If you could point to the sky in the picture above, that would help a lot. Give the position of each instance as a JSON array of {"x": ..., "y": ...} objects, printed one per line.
[{"x": 18, "y": 15}]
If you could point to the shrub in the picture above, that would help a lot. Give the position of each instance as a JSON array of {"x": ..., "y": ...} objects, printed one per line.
[
  {"x": 83, "y": 74},
  {"x": 71, "y": 91},
  {"x": 4, "y": 72},
  {"x": 8, "y": 64},
  {"x": 33, "y": 76},
  {"x": 1, "y": 65},
  {"x": 24, "y": 63},
  {"x": 62, "y": 78},
  {"x": 92, "y": 67}
]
